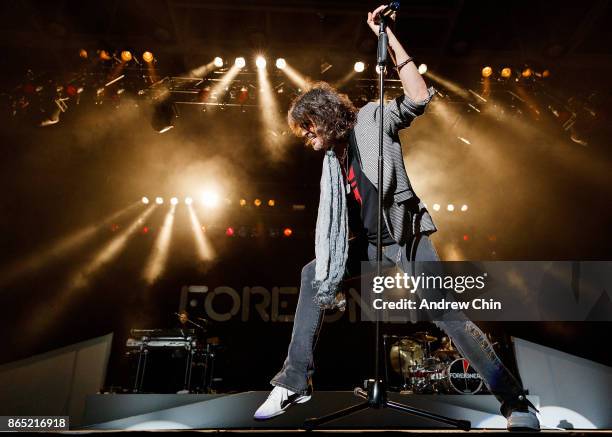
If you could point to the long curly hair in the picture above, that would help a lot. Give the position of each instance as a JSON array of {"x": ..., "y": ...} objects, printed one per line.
[{"x": 333, "y": 114}]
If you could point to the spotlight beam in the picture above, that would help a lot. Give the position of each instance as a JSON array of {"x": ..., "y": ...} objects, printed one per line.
[
  {"x": 54, "y": 308},
  {"x": 110, "y": 251},
  {"x": 219, "y": 88},
  {"x": 203, "y": 246},
  {"x": 157, "y": 260},
  {"x": 269, "y": 114},
  {"x": 294, "y": 76},
  {"x": 203, "y": 70},
  {"x": 58, "y": 249},
  {"x": 449, "y": 85},
  {"x": 347, "y": 77}
]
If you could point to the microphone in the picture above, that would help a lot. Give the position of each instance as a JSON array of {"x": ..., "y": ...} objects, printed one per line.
[{"x": 391, "y": 8}]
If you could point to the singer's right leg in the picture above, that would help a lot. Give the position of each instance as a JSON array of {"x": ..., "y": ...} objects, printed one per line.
[
  {"x": 292, "y": 384},
  {"x": 299, "y": 364}
]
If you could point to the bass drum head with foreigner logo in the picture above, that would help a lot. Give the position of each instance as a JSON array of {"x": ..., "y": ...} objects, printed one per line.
[{"x": 463, "y": 378}]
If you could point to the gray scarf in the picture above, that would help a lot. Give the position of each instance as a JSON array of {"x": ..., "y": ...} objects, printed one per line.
[{"x": 331, "y": 239}]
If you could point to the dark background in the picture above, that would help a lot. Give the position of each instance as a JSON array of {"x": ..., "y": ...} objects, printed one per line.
[{"x": 533, "y": 193}]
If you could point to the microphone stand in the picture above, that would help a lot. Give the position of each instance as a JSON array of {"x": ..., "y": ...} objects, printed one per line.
[{"x": 375, "y": 391}]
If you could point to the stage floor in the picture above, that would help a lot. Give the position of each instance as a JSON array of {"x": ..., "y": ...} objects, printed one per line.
[{"x": 235, "y": 411}]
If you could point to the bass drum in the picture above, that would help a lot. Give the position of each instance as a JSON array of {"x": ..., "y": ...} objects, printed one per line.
[{"x": 460, "y": 377}]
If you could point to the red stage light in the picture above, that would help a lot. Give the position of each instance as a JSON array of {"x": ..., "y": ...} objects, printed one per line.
[
  {"x": 229, "y": 232},
  {"x": 466, "y": 237},
  {"x": 71, "y": 90},
  {"x": 145, "y": 230},
  {"x": 287, "y": 232},
  {"x": 244, "y": 95}
]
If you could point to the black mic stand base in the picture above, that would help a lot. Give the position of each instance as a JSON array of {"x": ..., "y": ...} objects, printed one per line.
[{"x": 376, "y": 397}]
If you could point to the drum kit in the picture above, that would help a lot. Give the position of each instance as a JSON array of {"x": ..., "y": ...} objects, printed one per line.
[{"x": 423, "y": 371}]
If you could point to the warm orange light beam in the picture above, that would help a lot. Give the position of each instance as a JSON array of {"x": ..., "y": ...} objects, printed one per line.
[
  {"x": 109, "y": 252},
  {"x": 54, "y": 307},
  {"x": 203, "y": 246},
  {"x": 295, "y": 77},
  {"x": 157, "y": 260},
  {"x": 272, "y": 124},
  {"x": 203, "y": 70},
  {"x": 449, "y": 85},
  {"x": 58, "y": 249},
  {"x": 345, "y": 79},
  {"x": 219, "y": 89}
]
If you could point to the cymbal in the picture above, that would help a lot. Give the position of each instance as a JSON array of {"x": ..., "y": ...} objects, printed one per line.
[
  {"x": 424, "y": 336},
  {"x": 405, "y": 355},
  {"x": 446, "y": 354}
]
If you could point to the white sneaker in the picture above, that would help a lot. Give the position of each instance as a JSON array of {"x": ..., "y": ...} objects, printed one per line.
[
  {"x": 523, "y": 421},
  {"x": 277, "y": 403}
]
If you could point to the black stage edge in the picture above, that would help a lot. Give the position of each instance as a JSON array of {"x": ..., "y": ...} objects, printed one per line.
[{"x": 235, "y": 411}]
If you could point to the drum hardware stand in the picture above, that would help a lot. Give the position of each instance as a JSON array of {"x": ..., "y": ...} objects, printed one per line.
[
  {"x": 188, "y": 368},
  {"x": 141, "y": 366},
  {"x": 207, "y": 375},
  {"x": 374, "y": 392}
]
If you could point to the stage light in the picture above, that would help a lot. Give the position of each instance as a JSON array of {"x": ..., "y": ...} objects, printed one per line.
[
  {"x": 83, "y": 54},
  {"x": 422, "y": 68},
  {"x": 487, "y": 71},
  {"x": 159, "y": 200},
  {"x": 257, "y": 202},
  {"x": 104, "y": 55},
  {"x": 466, "y": 237},
  {"x": 210, "y": 198},
  {"x": 271, "y": 202},
  {"x": 378, "y": 69},
  {"x": 260, "y": 62},
  {"x": 464, "y": 208},
  {"x": 281, "y": 63},
  {"x": 173, "y": 201},
  {"x": 71, "y": 90},
  {"x": 359, "y": 67},
  {"x": 243, "y": 202},
  {"x": 188, "y": 200},
  {"x": 126, "y": 56},
  {"x": 506, "y": 72},
  {"x": 243, "y": 96},
  {"x": 229, "y": 232},
  {"x": 287, "y": 232},
  {"x": 145, "y": 200},
  {"x": 147, "y": 57},
  {"x": 450, "y": 207},
  {"x": 546, "y": 73},
  {"x": 218, "y": 62},
  {"x": 526, "y": 72},
  {"x": 164, "y": 114},
  {"x": 240, "y": 62},
  {"x": 436, "y": 207}
]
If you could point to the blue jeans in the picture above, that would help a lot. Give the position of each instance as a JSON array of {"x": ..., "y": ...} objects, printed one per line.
[{"x": 471, "y": 342}]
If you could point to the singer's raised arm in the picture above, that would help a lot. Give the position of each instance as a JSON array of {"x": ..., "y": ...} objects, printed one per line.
[{"x": 412, "y": 82}]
